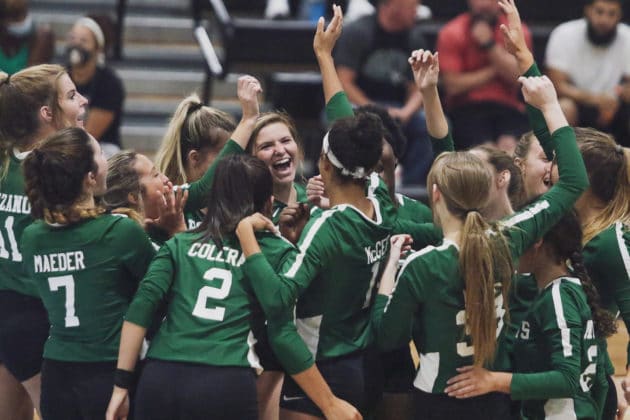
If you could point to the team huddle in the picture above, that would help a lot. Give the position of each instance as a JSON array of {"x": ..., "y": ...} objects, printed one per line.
[{"x": 212, "y": 285}]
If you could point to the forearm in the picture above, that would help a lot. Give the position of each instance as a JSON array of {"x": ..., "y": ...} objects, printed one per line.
[
  {"x": 130, "y": 344},
  {"x": 536, "y": 119},
  {"x": 505, "y": 64},
  {"x": 347, "y": 77},
  {"x": 437, "y": 125},
  {"x": 287, "y": 344},
  {"x": 554, "y": 117},
  {"x": 314, "y": 385},
  {"x": 459, "y": 83},
  {"x": 330, "y": 80},
  {"x": 274, "y": 294}
]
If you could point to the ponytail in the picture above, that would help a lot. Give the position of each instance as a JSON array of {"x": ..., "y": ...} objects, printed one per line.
[
  {"x": 604, "y": 321},
  {"x": 485, "y": 264}
]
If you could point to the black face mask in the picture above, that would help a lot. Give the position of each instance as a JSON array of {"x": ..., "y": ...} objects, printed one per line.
[
  {"x": 77, "y": 56},
  {"x": 600, "y": 40}
]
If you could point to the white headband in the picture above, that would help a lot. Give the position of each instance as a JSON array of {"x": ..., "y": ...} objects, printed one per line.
[
  {"x": 358, "y": 173},
  {"x": 94, "y": 28}
]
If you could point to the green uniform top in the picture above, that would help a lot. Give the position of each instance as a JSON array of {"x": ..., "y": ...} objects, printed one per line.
[
  {"x": 15, "y": 216},
  {"x": 410, "y": 209},
  {"x": 556, "y": 355},
  {"x": 193, "y": 218},
  {"x": 430, "y": 287},
  {"x": 278, "y": 205},
  {"x": 607, "y": 260},
  {"x": 86, "y": 274},
  {"x": 212, "y": 315},
  {"x": 334, "y": 276}
]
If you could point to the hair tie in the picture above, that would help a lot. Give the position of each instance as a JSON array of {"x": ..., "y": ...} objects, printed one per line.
[
  {"x": 619, "y": 149},
  {"x": 358, "y": 173},
  {"x": 6, "y": 81},
  {"x": 194, "y": 107}
]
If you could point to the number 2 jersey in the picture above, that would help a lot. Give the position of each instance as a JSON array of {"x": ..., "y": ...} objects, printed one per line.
[
  {"x": 86, "y": 275},
  {"x": 15, "y": 216},
  {"x": 212, "y": 315},
  {"x": 557, "y": 355}
]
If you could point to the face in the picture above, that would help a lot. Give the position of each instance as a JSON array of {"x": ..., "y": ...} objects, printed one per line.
[
  {"x": 536, "y": 170},
  {"x": 72, "y": 103},
  {"x": 603, "y": 16},
  {"x": 401, "y": 14},
  {"x": 275, "y": 146},
  {"x": 483, "y": 7},
  {"x": 152, "y": 183},
  {"x": 101, "y": 168},
  {"x": 81, "y": 36}
]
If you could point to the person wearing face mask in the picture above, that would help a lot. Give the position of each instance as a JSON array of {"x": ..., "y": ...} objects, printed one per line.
[
  {"x": 22, "y": 42},
  {"x": 588, "y": 60},
  {"x": 85, "y": 55}
]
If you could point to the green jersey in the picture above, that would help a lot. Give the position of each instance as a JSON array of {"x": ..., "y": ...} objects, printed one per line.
[
  {"x": 86, "y": 274},
  {"x": 278, "y": 205},
  {"x": 414, "y": 210},
  {"x": 607, "y": 260},
  {"x": 15, "y": 216},
  {"x": 333, "y": 279},
  {"x": 556, "y": 355},
  {"x": 193, "y": 219},
  {"x": 213, "y": 315}
]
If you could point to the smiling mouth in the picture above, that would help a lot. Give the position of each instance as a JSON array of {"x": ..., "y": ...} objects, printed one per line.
[
  {"x": 547, "y": 181},
  {"x": 282, "y": 164}
]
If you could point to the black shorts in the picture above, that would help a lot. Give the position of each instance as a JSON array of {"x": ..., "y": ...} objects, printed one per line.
[
  {"x": 23, "y": 332},
  {"x": 344, "y": 376},
  {"x": 268, "y": 359},
  {"x": 191, "y": 391},
  {"x": 494, "y": 406},
  {"x": 76, "y": 390},
  {"x": 610, "y": 405},
  {"x": 478, "y": 123}
]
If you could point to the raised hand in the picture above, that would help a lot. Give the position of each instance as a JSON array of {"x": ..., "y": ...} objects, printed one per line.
[
  {"x": 426, "y": 69},
  {"x": 538, "y": 91},
  {"x": 171, "y": 212},
  {"x": 514, "y": 37},
  {"x": 316, "y": 193},
  {"x": 247, "y": 90},
  {"x": 325, "y": 39},
  {"x": 293, "y": 218}
]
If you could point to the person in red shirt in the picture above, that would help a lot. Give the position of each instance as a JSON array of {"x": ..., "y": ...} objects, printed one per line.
[{"x": 480, "y": 78}]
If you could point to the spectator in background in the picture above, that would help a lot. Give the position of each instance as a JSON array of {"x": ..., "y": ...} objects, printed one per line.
[
  {"x": 588, "y": 61},
  {"x": 22, "y": 42},
  {"x": 480, "y": 78},
  {"x": 85, "y": 52},
  {"x": 371, "y": 58}
]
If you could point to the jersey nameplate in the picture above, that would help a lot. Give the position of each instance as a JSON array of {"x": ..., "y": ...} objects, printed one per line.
[
  {"x": 65, "y": 261},
  {"x": 11, "y": 203},
  {"x": 211, "y": 253}
]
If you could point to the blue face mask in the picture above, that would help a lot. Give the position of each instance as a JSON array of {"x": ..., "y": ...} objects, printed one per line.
[{"x": 21, "y": 29}]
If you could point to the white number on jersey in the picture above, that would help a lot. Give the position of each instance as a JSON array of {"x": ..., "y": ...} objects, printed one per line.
[
  {"x": 210, "y": 292},
  {"x": 368, "y": 295},
  {"x": 4, "y": 252},
  {"x": 55, "y": 284},
  {"x": 463, "y": 349}
]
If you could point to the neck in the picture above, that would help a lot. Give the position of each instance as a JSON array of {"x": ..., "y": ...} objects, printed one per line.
[
  {"x": 353, "y": 194},
  {"x": 82, "y": 75},
  {"x": 451, "y": 227},
  {"x": 498, "y": 210},
  {"x": 548, "y": 273},
  {"x": 588, "y": 208},
  {"x": 285, "y": 193},
  {"x": 86, "y": 202}
]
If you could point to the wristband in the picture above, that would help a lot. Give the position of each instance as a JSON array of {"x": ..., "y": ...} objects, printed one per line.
[
  {"x": 123, "y": 378},
  {"x": 488, "y": 45}
]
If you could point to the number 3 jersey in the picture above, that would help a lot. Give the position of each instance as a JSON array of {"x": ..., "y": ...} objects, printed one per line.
[
  {"x": 86, "y": 275},
  {"x": 212, "y": 314},
  {"x": 15, "y": 216},
  {"x": 555, "y": 355}
]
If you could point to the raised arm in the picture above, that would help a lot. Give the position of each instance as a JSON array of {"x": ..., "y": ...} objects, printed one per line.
[{"x": 531, "y": 223}]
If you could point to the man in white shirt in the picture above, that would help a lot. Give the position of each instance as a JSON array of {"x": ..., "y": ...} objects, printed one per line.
[{"x": 589, "y": 62}]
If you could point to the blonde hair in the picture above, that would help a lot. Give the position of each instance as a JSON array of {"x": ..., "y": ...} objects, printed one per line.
[
  {"x": 269, "y": 118},
  {"x": 464, "y": 182},
  {"x": 608, "y": 168},
  {"x": 21, "y": 97},
  {"x": 192, "y": 127},
  {"x": 122, "y": 181}
]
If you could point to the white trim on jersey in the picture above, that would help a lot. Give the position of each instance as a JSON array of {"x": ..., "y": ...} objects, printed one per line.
[
  {"x": 565, "y": 332},
  {"x": 560, "y": 409},
  {"x": 310, "y": 235},
  {"x": 428, "y": 372},
  {"x": 445, "y": 245},
  {"x": 623, "y": 249},
  {"x": 526, "y": 214},
  {"x": 252, "y": 357},
  {"x": 308, "y": 328}
]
